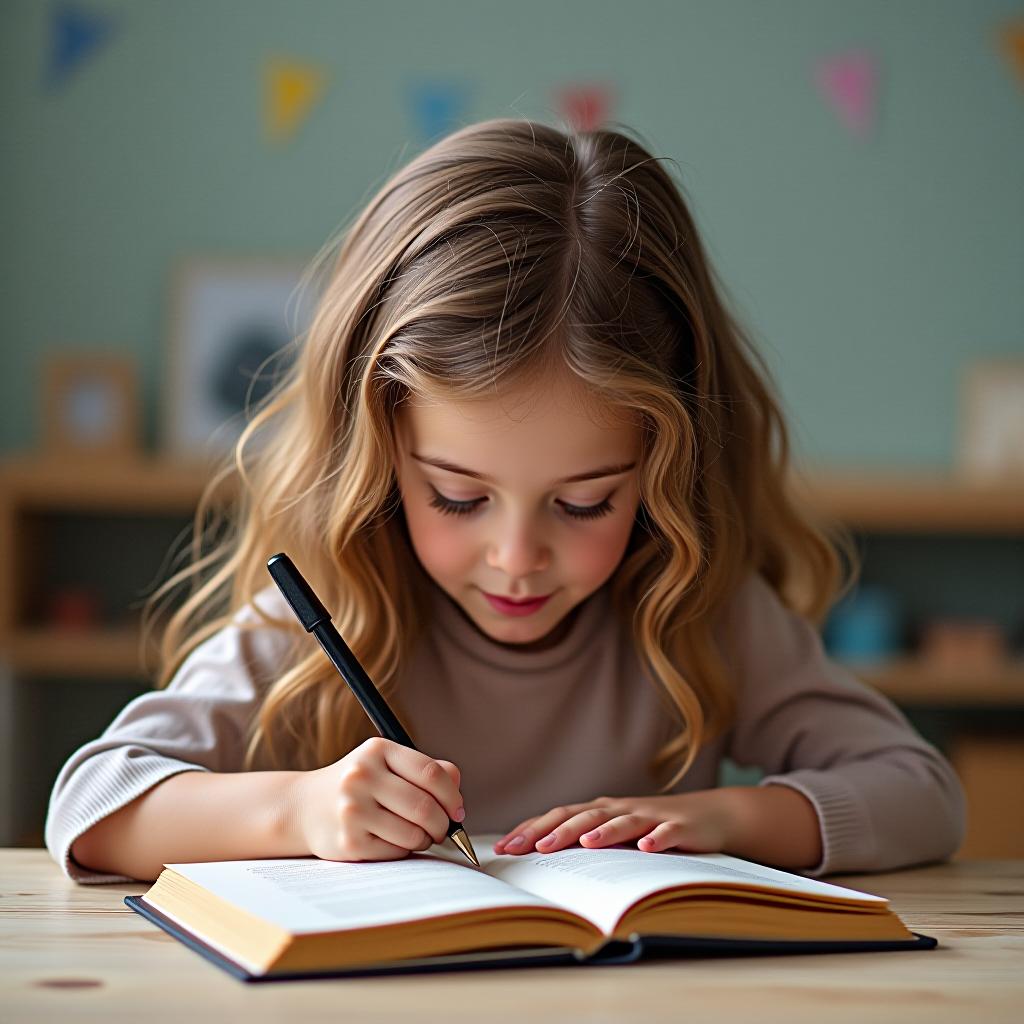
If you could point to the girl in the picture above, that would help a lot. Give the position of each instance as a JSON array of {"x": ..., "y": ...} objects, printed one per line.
[{"x": 535, "y": 469}]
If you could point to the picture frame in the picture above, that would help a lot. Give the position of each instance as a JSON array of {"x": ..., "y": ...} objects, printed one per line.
[
  {"x": 90, "y": 405},
  {"x": 991, "y": 438},
  {"x": 230, "y": 319}
]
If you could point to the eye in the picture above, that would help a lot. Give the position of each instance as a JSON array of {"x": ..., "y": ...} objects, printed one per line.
[
  {"x": 602, "y": 508},
  {"x": 465, "y": 508},
  {"x": 453, "y": 508}
]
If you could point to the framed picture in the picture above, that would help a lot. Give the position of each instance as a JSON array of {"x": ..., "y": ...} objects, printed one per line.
[
  {"x": 991, "y": 444},
  {"x": 90, "y": 404},
  {"x": 232, "y": 323}
]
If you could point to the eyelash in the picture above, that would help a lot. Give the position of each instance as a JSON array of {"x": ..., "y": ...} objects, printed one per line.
[{"x": 465, "y": 508}]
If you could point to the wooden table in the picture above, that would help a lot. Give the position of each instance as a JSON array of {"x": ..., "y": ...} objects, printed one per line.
[{"x": 70, "y": 950}]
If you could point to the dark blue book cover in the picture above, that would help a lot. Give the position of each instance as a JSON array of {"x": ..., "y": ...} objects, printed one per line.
[{"x": 649, "y": 947}]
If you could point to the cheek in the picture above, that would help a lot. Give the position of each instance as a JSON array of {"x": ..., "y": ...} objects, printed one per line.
[
  {"x": 442, "y": 546},
  {"x": 596, "y": 552}
]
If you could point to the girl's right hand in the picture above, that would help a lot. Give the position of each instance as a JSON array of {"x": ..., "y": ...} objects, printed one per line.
[{"x": 379, "y": 802}]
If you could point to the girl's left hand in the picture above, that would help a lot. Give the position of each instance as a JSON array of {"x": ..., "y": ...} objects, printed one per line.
[{"x": 699, "y": 822}]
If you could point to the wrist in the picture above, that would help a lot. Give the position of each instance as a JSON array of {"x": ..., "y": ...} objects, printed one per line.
[
  {"x": 774, "y": 825},
  {"x": 285, "y": 823}
]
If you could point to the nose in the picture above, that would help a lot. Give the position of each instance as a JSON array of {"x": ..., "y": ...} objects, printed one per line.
[{"x": 518, "y": 550}]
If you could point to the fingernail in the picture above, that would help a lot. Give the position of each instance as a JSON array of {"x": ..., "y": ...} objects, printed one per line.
[
  {"x": 547, "y": 839},
  {"x": 596, "y": 834},
  {"x": 514, "y": 841},
  {"x": 460, "y": 814}
]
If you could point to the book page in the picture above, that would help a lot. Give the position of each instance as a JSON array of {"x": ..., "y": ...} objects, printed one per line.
[
  {"x": 602, "y": 884},
  {"x": 306, "y": 894}
]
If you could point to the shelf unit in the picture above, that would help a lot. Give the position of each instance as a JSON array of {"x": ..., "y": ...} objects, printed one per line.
[
  {"x": 31, "y": 488},
  {"x": 889, "y": 502},
  {"x": 911, "y": 502}
]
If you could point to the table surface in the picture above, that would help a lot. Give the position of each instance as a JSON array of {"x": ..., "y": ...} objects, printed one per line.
[{"x": 77, "y": 950}]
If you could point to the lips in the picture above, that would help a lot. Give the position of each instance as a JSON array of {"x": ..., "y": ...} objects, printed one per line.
[{"x": 511, "y": 606}]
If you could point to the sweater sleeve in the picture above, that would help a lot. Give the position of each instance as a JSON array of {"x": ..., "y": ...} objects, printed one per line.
[
  {"x": 885, "y": 798},
  {"x": 197, "y": 723}
]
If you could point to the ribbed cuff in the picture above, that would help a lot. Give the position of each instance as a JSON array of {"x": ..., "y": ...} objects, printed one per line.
[
  {"x": 103, "y": 787},
  {"x": 847, "y": 839}
]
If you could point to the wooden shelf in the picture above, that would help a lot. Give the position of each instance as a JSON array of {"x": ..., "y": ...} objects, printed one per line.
[
  {"x": 907, "y": 500},
  {"x": 116, "y": 654},
  {"x": 911, "y": 681},
  {"x": 883, "y": 500},
  {"x": 156, "y": 485},
  {"x": 105, "y": 654},
  {"x": 913, "y": 501}
]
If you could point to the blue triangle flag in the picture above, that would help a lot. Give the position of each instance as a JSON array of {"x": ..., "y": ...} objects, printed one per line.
[
  {"x": 437, "y": 106},
  {"x": 75, "y": 34}
]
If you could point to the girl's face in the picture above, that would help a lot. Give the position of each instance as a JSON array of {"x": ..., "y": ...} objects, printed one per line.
[{"x": 520, "y": 497}]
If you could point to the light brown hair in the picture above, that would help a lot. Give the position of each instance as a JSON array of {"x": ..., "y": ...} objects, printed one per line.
[{"x": 502, "y": 247}]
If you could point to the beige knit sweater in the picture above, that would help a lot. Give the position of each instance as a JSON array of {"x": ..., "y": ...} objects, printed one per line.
[{"x": 530, "y": 730}]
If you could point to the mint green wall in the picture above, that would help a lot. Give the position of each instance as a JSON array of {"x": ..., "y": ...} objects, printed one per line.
[{"x": 870, "y": 273}]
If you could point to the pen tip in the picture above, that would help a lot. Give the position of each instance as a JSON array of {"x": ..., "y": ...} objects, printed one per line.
[{"x": 461, "y": 840}]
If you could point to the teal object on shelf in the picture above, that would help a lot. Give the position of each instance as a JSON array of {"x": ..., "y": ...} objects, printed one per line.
[{"x": 864, "y": 626}]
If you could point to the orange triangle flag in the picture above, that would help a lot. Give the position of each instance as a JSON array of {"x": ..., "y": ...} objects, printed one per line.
[
  {"x": 290, "y": 91},
  {"x": 1011, "y": 36}
]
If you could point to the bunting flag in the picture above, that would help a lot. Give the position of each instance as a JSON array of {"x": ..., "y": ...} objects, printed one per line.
[
  {"x": 438, "y": 107},
  {"x": 1011, "y": 42},
  {"x": 75, "y": 35},
  {"x": 849, "y": 82},
  {"x": 584, "y": 107},
  {"x": 290, "y": 90}
]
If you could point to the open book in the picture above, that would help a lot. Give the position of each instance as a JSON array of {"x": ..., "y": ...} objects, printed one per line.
[{"x": 303, "y": 917}]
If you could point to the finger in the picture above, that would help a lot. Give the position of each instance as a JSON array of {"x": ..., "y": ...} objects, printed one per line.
[
  {"x": 359, "y": 840},
  {"x": 527, "y": 826},
  {"x": 570, "y": 831},
  {"x": 667, "y": 835},
  {"x": 459, "y": 814},
  {"x": 395, "y": 829},
  {"x": 499, "y": 846},
  {"x": 372, "y": 847},
  {"x": 618, "y": 829},
  {"x": 413, "y": 804},
  {"x": 425, "y": 773},
  {"x": 523, "y": 840}
]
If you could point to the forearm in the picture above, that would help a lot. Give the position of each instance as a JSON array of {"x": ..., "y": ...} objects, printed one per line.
[
  {"x": 196, "y": 816},
  {"x": 773, "y": 825}
]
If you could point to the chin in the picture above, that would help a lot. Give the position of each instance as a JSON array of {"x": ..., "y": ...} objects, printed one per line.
[
  {"x": 510, "y": 631},
  {"x": 516, "y": 635}
]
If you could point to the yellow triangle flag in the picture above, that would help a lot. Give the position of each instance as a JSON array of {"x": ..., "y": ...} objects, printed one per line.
[{"x": 290, "y": 91}]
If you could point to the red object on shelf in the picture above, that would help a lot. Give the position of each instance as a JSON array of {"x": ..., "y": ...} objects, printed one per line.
[{"x": 75, "y": 608}]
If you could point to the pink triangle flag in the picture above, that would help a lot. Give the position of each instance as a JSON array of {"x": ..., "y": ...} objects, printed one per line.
[
  {"x": 849, "y": 81},
  {"x": 585, "y": 107}
]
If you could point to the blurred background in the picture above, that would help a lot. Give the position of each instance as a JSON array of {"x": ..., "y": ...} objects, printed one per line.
[{"x": 170, "y": 169}]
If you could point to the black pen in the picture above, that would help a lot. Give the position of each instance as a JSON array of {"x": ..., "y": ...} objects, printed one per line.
[{"x": 316, "y": 619}]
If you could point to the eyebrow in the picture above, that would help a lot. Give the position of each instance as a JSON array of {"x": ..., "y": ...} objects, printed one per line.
[{"x": 591, "y": 474}]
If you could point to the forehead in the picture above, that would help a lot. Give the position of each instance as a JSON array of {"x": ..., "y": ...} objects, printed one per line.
[{"x": 555, "y": 424}]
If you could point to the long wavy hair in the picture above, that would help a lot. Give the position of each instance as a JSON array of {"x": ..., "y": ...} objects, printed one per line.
[{"x": 504, "y": 246}]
